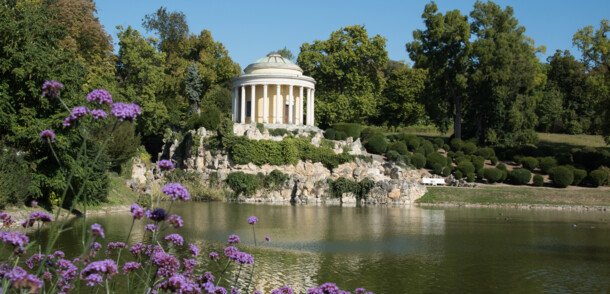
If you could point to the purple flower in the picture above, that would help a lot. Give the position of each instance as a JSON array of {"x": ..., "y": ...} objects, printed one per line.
[
  {"x": 7, "y": 219},
  {"x": 50, "y": 89},
  {"x": 131, "y": 266},
  {"x": 100, "y": 96},
  {"x": 98, "y": 114},
  {"x": 252, "y": 220},
  {"x": 36, "y": 216},
  {"x": 47, "y": 135},
  {"x": 59, "y": 254},
  {"x": 165, "y": 165},
  {"x": 97, "y": 230},
  {"x": 175, "y": 220},
  {"x": 175, "y": 238},
  {"x": 257, "y": 292},
  {"x": 175, "y": 190},
  {"x": 151, "y": 227},
  {"x": 194, "y": 250},
  {"x": 167, "y": 264},
  {"x": 33, "y": 260},
  {"x": 20, "y": 279},
  {"x": 234, "y": 290},
  {"x": 178, "y": 283},
  {"x": 96, "y": 246},
  {"x": 113, "y": 245},
  {"x": 125, "y": 111},
  {"x": 158, "y": 214},
  {"x": 93, "y": 279},
  {"x": 214, "y": 256},
  {"x": 233, "y": 239},
  {"x": 47, "y": 276},
  {"x": 79, "y": 111},
  {"x": 103, "y": 267},
  {"x": 189, "y": 265},
  {"x": 286, "y": 290},
  {"x": 137, "y": 249},
  {"x": 68, "y": 121},
  {"x": 267, "y": 238},
  {"x": 136, "y": 211}
]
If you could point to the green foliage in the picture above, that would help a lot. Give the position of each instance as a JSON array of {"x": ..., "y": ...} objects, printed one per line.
[
  {"x": 458, "y": 174},
  {"x": 447, "y": 170},
  {"x": 343, "y": 185},
  {"x": 367, "y": 133},
  {"x": 419, "y": 160},
  {"x": 15, "y": 178},
  {"x": 209, "y": 119},
  {"x": 486, "y": 152},
  {"x": 529, "y": 163},
  {"x": 538, "y": 180},
  {"x": 413, "y": 143},
  {"x": 401, "y": 98},
  {"x": 493, "y": 160},
  {"x": 426, "y": 147},
  {"x": 260, "y": 127},
  {"x": 435, "y": 159},
  {"x": 598, "y": 177},
  {"x": 123, "y": 143},
  {"x": 438, "y": 143},
  {"x": 193, "y": 85},
  {"x": 347, "y": 68},
  {"x": 469, "y": 148},
  {"x": 470, "y": 177},
  {"x": 241, "y": 182},
  {"x": 520, "y": 176},
  {"x": 399, "y": 147},
  {"x": 478, "y": 162},
  {"x": 561, "y": 176},
  {"x": 350, "y": 129},
  {"x": 170, "y": 26},
  {"x": 465, "y": 167},
  {"x": 327, "y": 143},
  {"x": 278, "y": 132},
  {"x": 275, "y": 178},
  {"x": 547, "y": 163},
  {"x": 456, "y": 144},
  {"x": 579, "y": 176},
  {"x": 377, "y": 144}
]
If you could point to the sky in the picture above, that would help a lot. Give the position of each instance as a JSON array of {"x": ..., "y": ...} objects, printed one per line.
[{"x": 251, "y": 29}]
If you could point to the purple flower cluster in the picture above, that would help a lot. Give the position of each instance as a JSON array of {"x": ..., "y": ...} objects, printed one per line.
[
  {"x": 214, "y": 256},
  {"x": 95, "y": 271},
  {"x": 239, "y": 257},
  {"x": 165, "y": 165},
  {"x": 96, "y": 230},
  {"x": 157, "y": 215},
  {"x": 131, "y": 266},
  {"x": 151, "y": 227},
  {"x": 233, "y": 239},
  {"x": 136, "y": 211},
  {"x": 14, "y": 238},
  {"x": 124, "y": 111},
  {"x": 193, "y": 250},
  {"x": 175, "y": 220},
  {"x": 252, "y": 220},
  {"x": 48, "y": 135},
  {"x": 50, "y": 89},
  {"x": 98, "y": 114},
  {"x": 36, "y": 216},
  {"x": 178, "y": 283},
  {"x": 167, "y": 264},
  {"x": 20, "y": 279},
  {"x": 77, "y": 112},
  {"x": 283, "y": 290},
  {"x": 267, "y": 238},
  {"x": 331, "y": 288},
  {"x": 100, "y": 96},
  {"x": 7, "y": 219},
  {"x": 175, "y": 190},
  {"x": 175, "y": 238}
]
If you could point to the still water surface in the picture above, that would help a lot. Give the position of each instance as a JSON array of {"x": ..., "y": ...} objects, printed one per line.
[{"x": 400, "y": 249}]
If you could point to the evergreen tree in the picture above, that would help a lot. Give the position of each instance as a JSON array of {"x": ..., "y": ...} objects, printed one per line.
[{"x": 193, "y": 87}]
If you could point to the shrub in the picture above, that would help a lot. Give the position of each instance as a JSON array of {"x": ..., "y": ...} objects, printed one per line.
[
  {"x": 480, "y": 174},
  {"x": 260, "y": 127},
  {"x": 435, "y": 159},
  {"x": 330, "y": 134},
  {"x": 447, "y": 171},
  {"x": 241, "y": 182},
  {"x": 458, "y": 156},
  {"x": 478, "y": 162},
  {"x": 469, "y": 148},
  {"x": 538, "y": 180},
  {"x": 563, "y": 158},
  {"x": 350, "y": 129},
  {"x": 340, "y": 135},
  {"x": 501, "y": 166},
  {"x": 456, "y": 144},
  {"x": 278, "y": 132},
  {"x": 529, "y": 163},
  {"x": 465, "y": 167},
  {"x": 458, "y": 174},
  {"x": 209, "y": 119},
  {"x": 486, "y": 152},
  {"x": 579, "y": 175},
  {"x": 327, "y": 143},
  {"x": 547, "y": 163},
  {"x": 492, "y": 175},
  {"x": 470, "y": 177},
  {"x": 520, "y": 176},
  {"x": 493, "y": 160},
  {"x": 446, "y": 147},
  {"x": 14, "y": 178},
  {"x": 275, "y": 178},
  {"x": 377, "y": 144},
  {"x": 393, "y": 156},
  {"x": 598, "y": 177},
  {"x": 427, "y": 147},
  {"x": 561, "y": 176},
  {"x": 450, "y": 155},
  {"x": 437, "y": 169},
  {"x": 438, "y": 142},
  {"x": 367, "y": 133},
  {"x": 413, "y": 144},
  {"x": 419, "y": 160},
  {"x": 399, "y": 147}
]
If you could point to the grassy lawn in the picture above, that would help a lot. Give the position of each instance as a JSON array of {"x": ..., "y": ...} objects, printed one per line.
[
  {"x": 118, "y": 193},
  {"x": 518, "y": 195}
]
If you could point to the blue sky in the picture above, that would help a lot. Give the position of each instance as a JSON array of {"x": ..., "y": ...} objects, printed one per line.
[{"x": 251, "y": 29}]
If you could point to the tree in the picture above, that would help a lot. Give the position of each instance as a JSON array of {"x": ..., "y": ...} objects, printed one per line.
[
  {"x": 443, "y": 49},
  {"x": 170, "y": 26},
  {"x": 503, "y": 74},
  {"x": 401, "y": 98},
  {"x": 194, "y": 86},
  {"x": 286, "y": 53},
  {"x": 347, "y": 69},
  {"x": 140, "y": 74}
]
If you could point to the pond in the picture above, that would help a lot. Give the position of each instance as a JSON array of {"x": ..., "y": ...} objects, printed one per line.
[{"x": 399, "y": 249}]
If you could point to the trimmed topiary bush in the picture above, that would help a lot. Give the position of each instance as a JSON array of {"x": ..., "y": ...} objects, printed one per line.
[
  {"x": 538, "y": 180},
  {"x": 435, "y": 159},
  {"x": 492, "y": 175},
  {"x": 418, "y": 160},
  {"x": 446, "y": 147},
  {"x": 579, "y": 175},
  {"x": 520, "y": 176},
  {"x": 561, "y": 176},
  {"x": 493, "y": 160},
  {"x": 413, "y": 144},
  {"x": 547, "y": 163},
  {"x": 564, "y": 158},
  {"x": 377, "y": 144},
  {"x": 466, "y": 167},
  {"x": 330, "y": 134},
  {"x": 367, "y": 133},
  {"x": 458, "y": 174},
  {"x": 447, "y": 171},
  {"x": 478, "y": 162},
  {"x": 438, "y": 142},
  {"x": 350, "y": 129},
  {"x": 437, "y": 169},
  {"x": 486, "y": 152},
  {"x": 529, "y": 163},
  {"x": 469, "y": 148},
  {"x": 456, "y": 144},
  {"x": 470, "y": 177},
  {"x": 598, "y": 177},
  {"x": 427, "y": 147},
  {"x": 241, "y": 182},
  {"x": 340, "y": 135},
  {"x": 400, "y": 147}
]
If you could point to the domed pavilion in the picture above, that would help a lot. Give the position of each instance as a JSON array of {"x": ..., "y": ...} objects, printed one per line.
[{"x": 273, "y": 90}]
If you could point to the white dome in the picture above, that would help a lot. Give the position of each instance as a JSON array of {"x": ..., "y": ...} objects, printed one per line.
[{"x": 273, "y": 63}]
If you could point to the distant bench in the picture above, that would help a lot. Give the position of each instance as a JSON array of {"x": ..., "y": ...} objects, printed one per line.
[{"x": 433, "y": 181}]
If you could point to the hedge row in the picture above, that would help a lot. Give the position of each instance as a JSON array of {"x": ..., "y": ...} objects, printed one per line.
[{"x": 247, "y": 184}]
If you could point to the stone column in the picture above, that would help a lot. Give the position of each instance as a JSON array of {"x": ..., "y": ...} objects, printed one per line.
[
  {"x": 313, "y": 105},
  {"x": 300, "y": 115},
  {"x": 265, "y": 104},
  {"x": 252, "y": 102},
  {"x": 308, "y": 119},
  {"x": 234, "y": 105},
  {"x": 290, "y": 106},
  {"x": 243, "y": 105},
  {"x": 277, "y": 104}
]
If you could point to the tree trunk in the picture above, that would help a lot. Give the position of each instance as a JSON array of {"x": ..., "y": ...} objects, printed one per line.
[{"x": 457, "y": 119}]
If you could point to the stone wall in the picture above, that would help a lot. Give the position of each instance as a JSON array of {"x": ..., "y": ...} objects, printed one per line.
[{"x": 307, "y": 181}]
